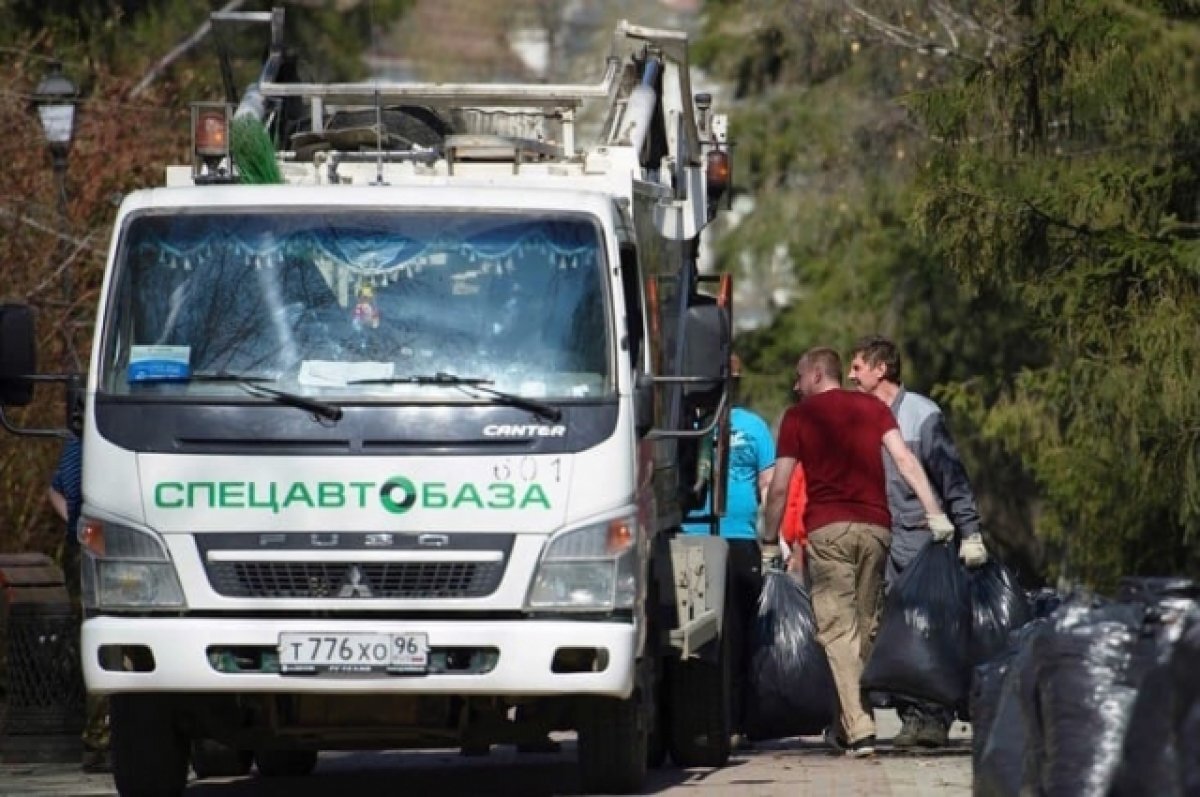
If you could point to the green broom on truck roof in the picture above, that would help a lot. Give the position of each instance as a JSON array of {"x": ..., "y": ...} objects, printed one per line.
[{"x": 250, "y": 144}]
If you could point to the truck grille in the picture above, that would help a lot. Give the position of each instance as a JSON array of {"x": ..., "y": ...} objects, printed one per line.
[{"x": 351, "y": 581}]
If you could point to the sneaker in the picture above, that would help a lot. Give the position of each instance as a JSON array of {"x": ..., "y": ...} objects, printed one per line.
[
  {"x": 863, "y": 748},
  {"x": 834, "y": 741}
]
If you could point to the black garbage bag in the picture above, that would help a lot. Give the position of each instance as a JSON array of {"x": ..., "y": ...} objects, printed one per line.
[
  {"x": 986, "y": 685},
  {"x": 1150, "y": 759},
  {"x": 1087, "y": 680},
  {"x": 1156, "y": 746},
  {"x": 1044, "y": 602},
  {"x": 998, "y": 607},
  {"x": 1150, "y": 589},
  {"x": 921, "y": 648},
  {"x": 1185, "y": 664},
  {"x": 1008, "y": 761},
  {"x": 790, "y": 689}
]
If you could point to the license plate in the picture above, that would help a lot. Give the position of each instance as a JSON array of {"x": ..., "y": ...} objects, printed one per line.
[{"x": 302, "y": 654}]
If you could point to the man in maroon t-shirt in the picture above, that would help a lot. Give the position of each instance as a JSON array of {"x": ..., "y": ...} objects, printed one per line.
[{"x": 836, "y": 436}]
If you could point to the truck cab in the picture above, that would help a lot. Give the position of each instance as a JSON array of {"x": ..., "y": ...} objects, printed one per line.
[{"x": 393, "y": 452}]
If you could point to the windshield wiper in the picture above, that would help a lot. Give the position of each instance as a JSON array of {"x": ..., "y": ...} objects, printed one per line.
[
  {"x": 539, "y": 408},
  {"x": 321, "y": 409},
  {"x": 228, "y": 376}
]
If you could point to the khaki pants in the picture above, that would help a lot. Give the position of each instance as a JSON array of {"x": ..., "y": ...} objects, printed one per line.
[{"x": 845, "y": 563}]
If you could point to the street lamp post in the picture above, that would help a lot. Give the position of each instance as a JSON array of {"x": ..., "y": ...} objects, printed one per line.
[{"x": 55, "y": 98}]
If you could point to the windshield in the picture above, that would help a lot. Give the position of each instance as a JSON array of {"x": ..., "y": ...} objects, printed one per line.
[{"x": 344, "y": 304}]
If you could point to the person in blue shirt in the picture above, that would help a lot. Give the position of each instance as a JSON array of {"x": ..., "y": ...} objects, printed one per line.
[
  {"x": 751, "y": 464},
  {"x": 66, "y": 490}
]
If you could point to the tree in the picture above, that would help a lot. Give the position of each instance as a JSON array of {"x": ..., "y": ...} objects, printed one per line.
[
  {"x": 830, "y": 154},
  {"x": 1066, "y": 179},
  {"x": 121, "y": 144}
]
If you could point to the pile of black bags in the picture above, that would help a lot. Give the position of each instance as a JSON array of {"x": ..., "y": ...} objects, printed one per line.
[
  {"x": 1095, "y": 699},
  {"x": 790, "y": 685}
]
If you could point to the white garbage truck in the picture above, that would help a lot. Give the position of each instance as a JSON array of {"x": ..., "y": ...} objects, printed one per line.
[{"x": 390, "y": 448}]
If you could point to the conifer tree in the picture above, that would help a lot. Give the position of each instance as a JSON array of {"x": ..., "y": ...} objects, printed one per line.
[{"x": 1065, "y": 178}]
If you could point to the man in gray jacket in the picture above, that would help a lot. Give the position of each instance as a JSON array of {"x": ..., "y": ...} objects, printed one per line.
[{"x": 875, "y": 369}]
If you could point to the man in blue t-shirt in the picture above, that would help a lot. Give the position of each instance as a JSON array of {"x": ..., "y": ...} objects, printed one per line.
[
  {"x": 66, "y": 488},
  {"x": 751, "y": 464},
  {"x": 751, "y": 459}
]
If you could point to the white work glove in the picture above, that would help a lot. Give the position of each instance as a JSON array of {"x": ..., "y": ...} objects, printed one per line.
[
  {"x": 972, "y": 553},
  {"x": 940, "y": 527},
  {"x": 772, "y": 556}
]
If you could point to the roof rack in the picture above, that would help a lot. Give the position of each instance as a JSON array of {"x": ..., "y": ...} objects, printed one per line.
[
  {"x": 513, "y": 95},
  {"x": 644, "y": 100}
]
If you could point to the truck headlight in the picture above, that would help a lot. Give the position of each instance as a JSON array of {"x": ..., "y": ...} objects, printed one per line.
[
  {"x": 589, "y": 568},
  {"x": 126, "y": 568}
]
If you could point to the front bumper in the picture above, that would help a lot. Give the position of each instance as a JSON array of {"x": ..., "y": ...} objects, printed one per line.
[{"x": 526, "y": 650}]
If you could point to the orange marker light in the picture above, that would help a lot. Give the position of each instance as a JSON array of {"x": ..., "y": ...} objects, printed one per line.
[
  {"x": 212, "y": 132},
  {"x": 717, "y": 173},
  {"x": 91, "y": 535},
  {"x": 620, "y": 535}
]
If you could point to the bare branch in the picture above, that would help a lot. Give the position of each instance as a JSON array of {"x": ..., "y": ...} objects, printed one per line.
[
  {"x": 906, "y": 38},
  {"x": 179, "y": 50},
  {"x": 944, "y": 16},
  {"x": 964, "y": 35},
  {"x": 53, "y": 277},
  {"x": 46, "y": 228}
]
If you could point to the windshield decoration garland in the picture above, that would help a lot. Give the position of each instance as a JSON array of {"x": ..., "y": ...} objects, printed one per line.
[{"x": 374, "y": 258}]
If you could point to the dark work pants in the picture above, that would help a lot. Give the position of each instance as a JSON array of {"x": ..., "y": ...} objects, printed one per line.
[{"x": 745, "y": 562}]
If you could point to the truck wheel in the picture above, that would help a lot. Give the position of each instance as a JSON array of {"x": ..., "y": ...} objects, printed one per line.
[
  {"x": 150, "y": 753},
  {"x": 700, "y": 711},
  {"x": 285, "y": 763},
  {"x": 211, "y": 759},
  {"x": 613, "y": 745}
]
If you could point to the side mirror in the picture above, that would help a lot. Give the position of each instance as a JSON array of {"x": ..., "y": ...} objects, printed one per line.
[
  {"x": 18, "y": 355},
  {"x": 706, "y": 355},
  {"x": 643, "y": 404}
]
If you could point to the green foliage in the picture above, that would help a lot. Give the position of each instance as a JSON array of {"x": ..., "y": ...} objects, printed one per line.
[
  {"x": 830, "y": 154},
  {"x": 1067, "y": 182}
]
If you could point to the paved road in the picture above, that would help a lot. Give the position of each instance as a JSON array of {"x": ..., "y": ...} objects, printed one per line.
[{"x": 792, "y": 767}]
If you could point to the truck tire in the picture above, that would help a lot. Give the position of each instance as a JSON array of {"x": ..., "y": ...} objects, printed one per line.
[
  {"x": 211, "y": 759},
  {"x": 150, "y": 753},
  {"x": 613, "y": 745},
  {"x": 285, "y": 763},
  {"x": 700, "y": 710}
]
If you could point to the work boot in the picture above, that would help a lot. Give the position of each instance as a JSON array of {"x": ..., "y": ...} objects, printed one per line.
[
  {"x": 910, "y": 733},
  {"x": 932, "y": 732}
]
